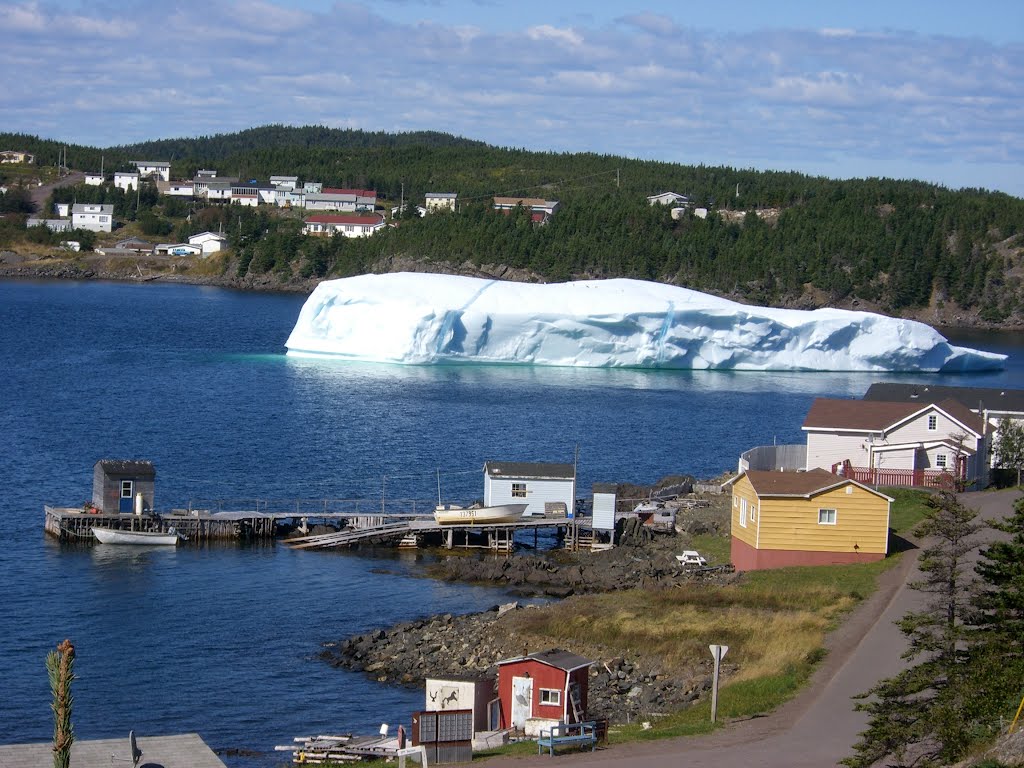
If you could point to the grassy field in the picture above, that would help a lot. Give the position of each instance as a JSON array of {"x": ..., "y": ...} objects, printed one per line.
[{"x": 773, "y": 621}]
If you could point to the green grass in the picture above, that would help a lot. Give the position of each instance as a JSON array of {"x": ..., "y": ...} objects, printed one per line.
[{"x": 908, "y": 509}]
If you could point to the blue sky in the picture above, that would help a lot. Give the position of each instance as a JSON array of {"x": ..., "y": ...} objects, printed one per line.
[{"x": 928, "y": 90}]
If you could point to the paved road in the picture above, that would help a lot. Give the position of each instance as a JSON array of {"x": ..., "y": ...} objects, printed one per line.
[{"x": 819, "y": 727}]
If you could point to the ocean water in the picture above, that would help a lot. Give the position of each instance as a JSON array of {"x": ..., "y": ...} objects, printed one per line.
[{"x": 222, "y": 640}]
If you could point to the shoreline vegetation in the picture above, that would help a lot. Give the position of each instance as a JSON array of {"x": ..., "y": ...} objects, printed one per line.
[
  {"x": 218, "y": 271},
  {"x": 647, "y": 624}
]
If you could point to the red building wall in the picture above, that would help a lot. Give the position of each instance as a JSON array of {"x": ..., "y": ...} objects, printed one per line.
[
  {"x": 747, "y": 558},
  {"x": 543, "y": 676}
]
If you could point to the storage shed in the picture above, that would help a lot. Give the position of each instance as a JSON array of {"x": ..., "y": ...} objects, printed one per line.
[
  {"x": 806, "y": 518},
  {"x": 542, "y": 487},
  {"x": 116, "y": 482},
  {"x": 547, "y": 686},
  {"x": 461, "y": 693}
]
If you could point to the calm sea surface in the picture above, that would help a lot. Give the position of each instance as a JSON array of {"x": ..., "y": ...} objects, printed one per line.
[{"x": 222, "y": 640}]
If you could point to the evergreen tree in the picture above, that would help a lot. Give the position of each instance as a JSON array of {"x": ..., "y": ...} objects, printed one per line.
[
  {"x": 60, "y": 665},
  {"x": 921, "y": 717},
  {"x": 1010, "y": 445}
]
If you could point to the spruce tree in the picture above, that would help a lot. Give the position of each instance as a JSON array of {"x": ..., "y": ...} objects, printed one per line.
[
  {"x": 920, "y": 716},
  {"x": 60, "y": 668}
]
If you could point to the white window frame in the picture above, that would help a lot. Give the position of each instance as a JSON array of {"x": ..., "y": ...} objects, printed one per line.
[
  {"x": 743, "y": 512},
  {"x": 933, "y": 423},
  {"x": 550, "y": 697},
  {"x": 127, "y": 489},
  {"x": 940, "y": 461},
  {"x": 518, "y": 490},
  {"x": 753, "y": 512},
  {"x": 827, "y": 516}
]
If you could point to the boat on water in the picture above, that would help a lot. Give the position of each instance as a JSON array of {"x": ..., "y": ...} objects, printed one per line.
[
  {"x": 451, "y": 514},
  {"x": 143, "y": 538}
]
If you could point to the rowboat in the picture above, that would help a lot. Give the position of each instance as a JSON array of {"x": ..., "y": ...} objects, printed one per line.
[
  {"x": 143, "y": 538},
  {"x": 452, "y": 514}
]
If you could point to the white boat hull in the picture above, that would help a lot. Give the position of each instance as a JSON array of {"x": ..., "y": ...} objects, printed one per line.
[
  {"x": 502, "y": 513},
  {"x": 143, "y": 538}
]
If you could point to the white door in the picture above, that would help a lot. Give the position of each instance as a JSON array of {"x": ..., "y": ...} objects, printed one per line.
[{"x": 522, "y": 701}]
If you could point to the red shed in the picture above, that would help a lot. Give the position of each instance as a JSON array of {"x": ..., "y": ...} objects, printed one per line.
[{"x": 548, "y": 684}]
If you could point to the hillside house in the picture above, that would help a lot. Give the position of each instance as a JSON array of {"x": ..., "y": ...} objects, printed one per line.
[
  {"x": 993, "y": 405},
  {"x": 440, "y": 201},
  {"x": 669, "y": 198},
  {"x": 541, "y": 689},
  {"x": 540, "y": 210},
  {"x": 63, "y": 210},
  {"x": 154, "y": 169},
  {"x": 94, "y": 180},
  {"x": 217, "y": 189},
  {"x": 96, "y": 217},
  {"x": 16, "y": 156},
  {"x": 54, "y": 225},
  {"x": 542, "y": 487},
  {"x": 349, "y": 225},
  {"x": 176, "y": 249},
  {"x": 816, "y": 517},
  {"x": 885, "y": 443},
  {"x": 209, "y": 242},
  {"x": 126, "y": 180},
  {"x": 345, "y": 200},
  {"x": 286, "y": 182},
  {"x": 176, "y": 188},
  {"x": 135, "y": 245}
]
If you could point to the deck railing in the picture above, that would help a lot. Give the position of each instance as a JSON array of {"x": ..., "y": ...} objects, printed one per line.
[{"x": 908, "y": 478}]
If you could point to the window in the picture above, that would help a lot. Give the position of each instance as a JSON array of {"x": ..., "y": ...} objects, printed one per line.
[
  {"x": 933, "y": 423},
  {"x": 826, "y": 517},
  {"x": 126, "y": 489},
  {"x": 743, "y": 512},
  {"x": 518, "y": 490},
  {"x": 753, "y": 512},
  {"x": 550, "y": 696},
  {"x": 940, "y": 460}
]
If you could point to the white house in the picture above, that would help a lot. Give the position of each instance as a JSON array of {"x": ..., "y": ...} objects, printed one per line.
[
  {"x": 668, "y": 198},
  {"x": 245, "y": 193},
  {"x": 216, "y": 189},
  {"x": 126, "y": 180},
  {"x": 349, "y": 225},
  {"x": 93, "y": 216},
  {"x": 176, "y": 188},
  {"x": 289, "y": 182},
  {"x": 178, "y": 249},
  {"x": 156, "y": 169},
  {"x": 334, "y": 199},
  {"x": 441, "y": 201},
  {"x": 541, "y": 209},
  {"x": 54, "y": 225},
  {"x": 94, "y": 179},
  {"x": 887, "y": 443},
  {"x": 15, "y": 156},
  {"x": 62, "y": 209},
  {"x": 209, "y": 242},
  {"x": 542, "y": 487}
]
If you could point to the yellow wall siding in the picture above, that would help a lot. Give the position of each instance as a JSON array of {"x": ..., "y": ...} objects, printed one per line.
[
  {"x": 742, "y": 489},
  {"x": 862, "y": 518}
]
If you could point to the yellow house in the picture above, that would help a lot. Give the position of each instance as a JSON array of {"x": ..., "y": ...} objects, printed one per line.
[{"x": 806, "y": 518}]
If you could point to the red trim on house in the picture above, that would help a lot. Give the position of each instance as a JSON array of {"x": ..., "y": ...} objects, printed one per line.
[{"x": 747, "y": 558}]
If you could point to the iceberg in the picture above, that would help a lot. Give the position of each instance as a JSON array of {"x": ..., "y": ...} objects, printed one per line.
[{"x": 417, "y": 318}]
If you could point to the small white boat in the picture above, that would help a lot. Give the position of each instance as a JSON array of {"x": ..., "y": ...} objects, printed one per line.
[
  {"x": 144, "y": 538},
  {"x": 451, "y": 514}
]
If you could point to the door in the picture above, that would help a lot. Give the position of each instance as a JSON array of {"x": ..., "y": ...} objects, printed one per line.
[
  {"x": 522, "y": 701},
  {"x": 125, "y": 503}
]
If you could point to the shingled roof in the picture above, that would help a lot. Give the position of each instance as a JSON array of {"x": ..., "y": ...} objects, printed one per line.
[
  {"x": 877, "y": 415},
  {"x": 798, "y": 484}
]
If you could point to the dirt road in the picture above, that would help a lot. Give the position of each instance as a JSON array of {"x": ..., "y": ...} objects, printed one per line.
[
  {"x": 39, "y": 194},
  {"x": 819, "y": 727}
]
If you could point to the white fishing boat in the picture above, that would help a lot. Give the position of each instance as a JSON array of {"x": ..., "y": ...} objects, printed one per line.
[
  {"x": 143, "y": 538},
  {"x": 451, "y": 514}
]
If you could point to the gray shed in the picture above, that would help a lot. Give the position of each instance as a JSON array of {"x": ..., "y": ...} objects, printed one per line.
[{"x": 116, "y": 482}]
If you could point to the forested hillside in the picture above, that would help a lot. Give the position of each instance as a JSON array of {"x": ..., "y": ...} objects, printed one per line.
[{"x": 770, "y": 237}]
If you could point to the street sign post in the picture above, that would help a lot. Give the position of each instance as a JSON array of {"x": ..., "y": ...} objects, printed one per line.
[{"x": 717, "y": 653}]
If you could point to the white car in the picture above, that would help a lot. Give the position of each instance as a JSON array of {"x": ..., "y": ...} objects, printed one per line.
[{"x": 691, "y": 557}]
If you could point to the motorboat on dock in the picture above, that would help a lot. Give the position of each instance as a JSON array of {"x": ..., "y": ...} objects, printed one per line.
[
  {"x": 169, "y": 538},
  {"x": 452, "y": 514}
]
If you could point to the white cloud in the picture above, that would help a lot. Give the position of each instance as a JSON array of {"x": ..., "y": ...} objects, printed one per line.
[{"x": 794, "y": 97}]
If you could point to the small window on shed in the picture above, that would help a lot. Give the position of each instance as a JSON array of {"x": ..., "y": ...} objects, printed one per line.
[
  {"x": 826, "y": 517},
  {"x": 518, "y": 490},
  {"x": 550, "y": 696}
]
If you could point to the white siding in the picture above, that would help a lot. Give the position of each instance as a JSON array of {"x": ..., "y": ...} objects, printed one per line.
[
  {"x": 604, "y": 511},
  {"x": 824, "y": 449},
  {"x": 538, "y": 491}
]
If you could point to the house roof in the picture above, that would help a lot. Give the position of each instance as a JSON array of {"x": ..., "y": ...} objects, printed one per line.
[
  {"x": 104, "y": 208},
  {"x": 356, "y": 192},
  {"x": 877, "y": 415},
  {"x": 446, "y": 195},
  {"x": 974, "y": 398},
  {"x": 151, "y": 163},
  {"x": 537, "y": 470},
  {"x": 554, "y": 657},
  {"x": 526, "y": 202},
  {"x": 327, "y": 218},
  {"x": 212, "y": 235},
  {"x": 127, "y": 466},
  {"x": 799, "y": 484}
]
